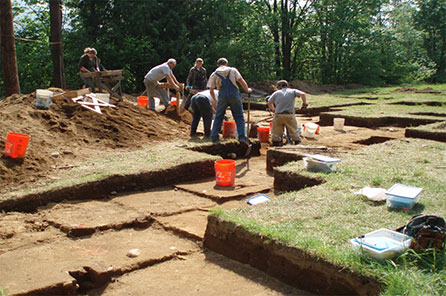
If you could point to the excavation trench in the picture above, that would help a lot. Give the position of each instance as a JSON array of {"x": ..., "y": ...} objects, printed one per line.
[{"x": 106, "y": 243}]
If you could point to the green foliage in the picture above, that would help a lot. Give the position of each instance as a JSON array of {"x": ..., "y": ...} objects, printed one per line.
[
  {"x": 370, "y": 42},
  {"x": 430, "y": 19}
]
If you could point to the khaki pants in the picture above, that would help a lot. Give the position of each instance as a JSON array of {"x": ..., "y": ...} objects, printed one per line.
[{"x": 284, "y": 120}]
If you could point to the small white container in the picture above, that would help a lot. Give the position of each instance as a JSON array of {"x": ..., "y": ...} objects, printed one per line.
[
  {"x": 402, "y": 196},
  {"x": 382, "y": 243},
  {"x": 310, "y": 129},
  {"x": 103, "y": 97},
  {"x": 320, "y": 163},
  {"x": 43, "y": 98},
  {"x": 338, "y": 124}
]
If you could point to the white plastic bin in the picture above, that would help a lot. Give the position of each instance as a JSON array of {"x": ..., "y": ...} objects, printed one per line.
[
  {"x": 338, "y": 124},
  {"x": 320, "y": 163},
  {"x": 310, "y": 129},
  {"x": 382, "y": 243},
  {"x": 43, "y": 98},
  {"x": 402, "y": 196},
  {"x": 103, "y": 97}
]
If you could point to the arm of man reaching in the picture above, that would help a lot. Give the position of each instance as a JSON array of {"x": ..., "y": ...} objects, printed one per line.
[
  {"x": 272, "y": 107},
  {"x": 172, "y": 80},
  {"x": 245, "y": 85},
  {"x": 214, "y": 100},
  {"x": 304, "y": 101}
]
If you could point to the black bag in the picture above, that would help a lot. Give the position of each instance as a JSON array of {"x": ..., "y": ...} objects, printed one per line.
[{"x": 428, "y": 231}]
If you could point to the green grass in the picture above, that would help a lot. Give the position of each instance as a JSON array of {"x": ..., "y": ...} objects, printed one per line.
[
  {"x": 321, "y": 220},
  {"x": 396, "y": 111},
  {"x": 150, "y": 158}
]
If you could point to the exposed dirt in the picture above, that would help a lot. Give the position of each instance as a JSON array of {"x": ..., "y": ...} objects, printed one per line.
[
  {"x": 83, "y": 246},
  {"x": 67, "y": 133}
]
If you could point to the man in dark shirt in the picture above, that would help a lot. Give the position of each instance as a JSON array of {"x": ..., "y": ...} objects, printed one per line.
[{"x": 196, "y": 80}]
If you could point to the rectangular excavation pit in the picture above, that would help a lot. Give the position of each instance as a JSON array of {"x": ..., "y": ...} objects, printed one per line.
[{"x": 291, "y": 265}]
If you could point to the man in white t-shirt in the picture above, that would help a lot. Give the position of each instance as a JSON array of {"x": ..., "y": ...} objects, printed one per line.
[
  {"x": 203, "y": 104},
  {"x": 151, "y": 81},
  {"x": 281, "y": 102},
  {"x": 225, "y": 80}
]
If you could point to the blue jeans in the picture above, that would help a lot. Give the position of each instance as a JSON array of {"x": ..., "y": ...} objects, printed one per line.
[
  {"x": 237, "y": 112},
  {"x": 202, "y": 108}
]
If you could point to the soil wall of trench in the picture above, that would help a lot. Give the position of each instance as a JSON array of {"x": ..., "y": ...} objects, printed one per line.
[{"x": 288, "y": 264}]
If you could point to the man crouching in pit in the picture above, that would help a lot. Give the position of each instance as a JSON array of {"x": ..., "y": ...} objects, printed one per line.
[{"x": 281, "y": 103}]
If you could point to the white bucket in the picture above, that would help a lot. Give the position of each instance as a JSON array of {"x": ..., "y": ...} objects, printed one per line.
[
  {"x": 310, "y": 129},
  {"x": 103, "y": 97},
  {"x": 338, "y": 124},
  {"x": 43, "y": 98}
]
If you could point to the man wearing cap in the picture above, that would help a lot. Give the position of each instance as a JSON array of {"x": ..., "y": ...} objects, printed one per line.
[
  {"x": 225, "y": 80},
  {"x": 281, "y": 103},
  {"x": 151, "y": 81}
]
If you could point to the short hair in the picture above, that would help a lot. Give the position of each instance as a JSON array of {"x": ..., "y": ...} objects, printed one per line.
[
  {"x": 171, "y": 61},
  {"x": 199, "y": 60},
  {"x": 282, "y": 83},
  {"x": 222, "y": 61}
]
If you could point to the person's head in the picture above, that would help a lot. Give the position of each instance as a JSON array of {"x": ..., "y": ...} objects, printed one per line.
[
  {"x": 198, "y": 62},
  {"x": 222, "y": 62},
  {"x": 172, "y": 63},
  {"x": 91, "y": 52},
  {"x": 281, "y": 84}
]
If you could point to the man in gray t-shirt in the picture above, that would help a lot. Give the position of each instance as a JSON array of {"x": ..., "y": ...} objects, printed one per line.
[
  {"x": 151, "y": 82},
  {"x": 281, "y": 102}
]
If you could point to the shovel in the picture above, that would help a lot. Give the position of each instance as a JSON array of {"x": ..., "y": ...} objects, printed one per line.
[{"x": 248, "y": 150}]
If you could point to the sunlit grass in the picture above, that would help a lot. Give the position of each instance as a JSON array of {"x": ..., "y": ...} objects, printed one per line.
[{"x": 321, "y": 220}]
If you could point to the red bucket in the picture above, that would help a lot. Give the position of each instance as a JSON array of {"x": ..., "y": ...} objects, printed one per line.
[
  {"x": 16, "y": 145},
  {"x": 225, "y": 172},
  {"x": 143, "y": 101},
  {"x": 263, "y": 134},
  {"x": 229, "y": 129}
]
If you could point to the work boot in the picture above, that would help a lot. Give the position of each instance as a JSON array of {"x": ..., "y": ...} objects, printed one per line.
[
  {"x": 296, "y": 142},
  {"x": 276, "y": 143}
]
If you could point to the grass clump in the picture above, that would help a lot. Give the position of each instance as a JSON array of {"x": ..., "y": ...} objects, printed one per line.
[{"x": 321, "y": 220}]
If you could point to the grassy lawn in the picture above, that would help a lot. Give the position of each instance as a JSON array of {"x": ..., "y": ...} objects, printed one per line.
[
  {"x": 151, "y": 158},
  {"x": 321, "y": 220},
  {"x": 379, "y": 96}
]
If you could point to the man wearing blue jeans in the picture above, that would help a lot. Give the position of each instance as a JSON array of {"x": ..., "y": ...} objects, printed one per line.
[
  {"x": 225, "y": 80},
  {"x": 201, "y": 104}
]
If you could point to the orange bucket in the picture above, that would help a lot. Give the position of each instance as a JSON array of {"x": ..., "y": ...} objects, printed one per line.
[
  {"x": 16, "y": 145},
  {"x": 229, "y": 129},
  {"x": 225, "y": 172},
  {"x": 143, "y": 101},
  {"x": 263, "y": 134}
]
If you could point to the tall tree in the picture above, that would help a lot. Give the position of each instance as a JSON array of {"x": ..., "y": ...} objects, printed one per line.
[
  {"x": 431, "y": 19},
  {"x": 9, "y": 60},
  {"x": 56, "y": 43},
  {"x": 286, "y": 21}
]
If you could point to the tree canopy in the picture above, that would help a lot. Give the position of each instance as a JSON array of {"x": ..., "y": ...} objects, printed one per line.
[{"x": 372, "y": 42}]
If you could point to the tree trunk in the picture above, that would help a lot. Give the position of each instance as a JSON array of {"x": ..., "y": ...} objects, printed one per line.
[
  {"x": 9, "y": 59},
  {"x": 56, "y": 43}
]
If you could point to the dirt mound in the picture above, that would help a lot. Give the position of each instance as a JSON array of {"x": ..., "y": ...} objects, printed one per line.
[{"x": 67, "y": 132}]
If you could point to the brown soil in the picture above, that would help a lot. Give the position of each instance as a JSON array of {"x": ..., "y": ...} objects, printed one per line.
[
  {"x": 67, "y": 133},
  {"x": 167, "y": 224}
]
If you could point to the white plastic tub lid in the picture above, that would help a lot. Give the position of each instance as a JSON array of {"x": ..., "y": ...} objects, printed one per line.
[
  {"x": 257, "y": 199},
  {"x": 323, "y": 158},
  {"x": 404, "y": 191}
]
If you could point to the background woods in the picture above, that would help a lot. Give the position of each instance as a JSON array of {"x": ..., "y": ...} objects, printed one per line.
[{"x": 372, "y": 42}]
